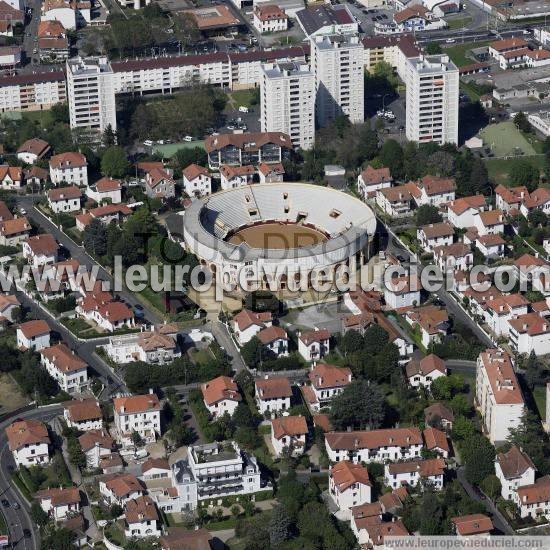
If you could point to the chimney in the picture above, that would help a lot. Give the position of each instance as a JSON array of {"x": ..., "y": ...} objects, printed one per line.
[
  {"x": 151, "y": 391},
  {"x": 122, "y": 409}
]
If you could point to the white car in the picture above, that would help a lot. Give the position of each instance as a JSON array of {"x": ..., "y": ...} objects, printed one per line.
[
  {"x": 450, "y": 41},
  {"x": 188, "y": 138},
  {"x": 148, "y": 142},
  {"x": 243, "y": 109}
]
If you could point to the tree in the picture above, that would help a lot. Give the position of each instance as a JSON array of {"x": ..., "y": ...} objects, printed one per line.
[
  {"x": 521, "y": 122},
  {"x": 109, "y": 136},
  {"x": 530, "y": 437},
  {"x": 387, "y": 362},
  {"x": 463, "y": 428},
  {"x": 391, "y": 155},
  {"x": 57, "y": 539},
  {"x": 243, "y": 416},
  {"x": 251, "y": 352},
  {"x": 351, "y": 341},
  {"x": 479, "y": 456},
  {"x": 537, "y": 218},
  {"x": 38, "y": 515},
  {"x": 375, "y": 338},
  {"x": 279, "y": 526},
  {"x": 137, "y": 440},
  {"x": 433, "y": 48},
  {"x": 361, "y": 405},
  {"x": 18, "y": 315},
  {"x": 76, "y": 454},
  {"x": 523, "y": 172},
  {"x": 427, "y": 214},
  {"x": 95, "y": 238},
  {"x": 491, "y": 486},
  {"x": 116, "y": 511},
  {"x": 459, "y": 405},
  {"x": 114, "y": 162}
]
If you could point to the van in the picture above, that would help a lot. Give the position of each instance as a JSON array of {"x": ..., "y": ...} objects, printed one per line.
[
  {"x": 243, "y": 109},
  {"x": 188, "y": 138}
]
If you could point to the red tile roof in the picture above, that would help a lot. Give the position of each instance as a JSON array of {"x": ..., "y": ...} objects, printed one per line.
[
  {"x": 374, "y": 439},
  {"x": 289, "y": 425},
  {"x": 194, "y": 171},
  {"x": 500, "y": 372},
  {"x": 63, "y": 358},
  {"x": 435, "y": 439},
  {"x": 472, "y": 524},
  {"x": 270, "y": 334},
  {"x": 220, "y": 389},
  {"x": 514, "y": 463},
  {"x": 136, "y": 404},
  {"x": 64, "y": 193},
  {"x": 345, "y": 474},
  {"x": 272, "y": 388},
  {"x": 312, "y": 336},
  {"x": 44, "y": 244},
  {"x": 88, "y": 440},
  {"x": 30, "y": 329},
  {"x": 26, "y": 432},
  {"x": 70, "y": 160},
  {"x": 246, "y": 318},
  {"x": 323, "y": 375}
]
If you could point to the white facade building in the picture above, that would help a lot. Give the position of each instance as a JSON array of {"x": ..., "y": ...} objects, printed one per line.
[
  {"x": 273, "y": 394},
  {"x": 59, "y": 503},
  {"x": 432, "y": 99},
  {"x": 83, "y": 414},
  {"x": 137, "y": 413},
  {"x": 514, "y": 469},
  {"x": 29, "y": 442},
  {"x": 69, "y": 167},
  {"x": 65, "y": 367},
  {"x": 288, "y": 435},
  {"x": 91, "y": 94},
  {"x": 96, "y": 445},
  {"x": 221, "y": 395},
  {"x": 498, "y": 395},
  {"x": 314, "y": 345},
  {"x": 338, "y": 64},
  {"x": 288, "y": 101},
  {"x": 349, "y": 485},
  {"x": 415, "y": 472},
  {"x": 64, "y": 199},
  {"x": 33, "y": 335},
  {"x": 197, "y": 181}
]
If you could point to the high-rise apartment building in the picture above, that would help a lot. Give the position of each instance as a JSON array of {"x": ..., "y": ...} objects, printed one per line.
[
  {"x": 432, "y": 99},
  {"x": 91, "y": 94},
  {"x": 337, "y": 62},
  {"x": 288, "y": 101}
]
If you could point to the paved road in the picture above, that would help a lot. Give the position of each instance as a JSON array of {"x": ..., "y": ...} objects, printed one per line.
[
  {"x": 220, "y": 333},
  {"x": 18, "y": 520},
  {"x": 31, "y": 31},
  {"x": 499, "y": 521},
  {"x": 79, "y": 253}
]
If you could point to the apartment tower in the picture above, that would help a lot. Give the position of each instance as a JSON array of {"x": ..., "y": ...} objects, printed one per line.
[
  {"x": 337, "y": 62},
  {"x": 432, "y": 99},
  {"x": 288, "y": 101},
  {"x": 91, "y": 94}
]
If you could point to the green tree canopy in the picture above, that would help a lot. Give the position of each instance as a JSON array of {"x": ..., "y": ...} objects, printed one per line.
[{"x": 114, "y": 162}]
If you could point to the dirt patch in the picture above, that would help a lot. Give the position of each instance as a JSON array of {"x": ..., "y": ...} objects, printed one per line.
[{"x": 11, "y": 397}]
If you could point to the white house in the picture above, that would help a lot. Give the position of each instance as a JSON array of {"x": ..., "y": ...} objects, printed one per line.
[
  {"x": 65, "y": 367},
  {"x": 539, "y": 199},
  {"x": 271, "y": 173},
  {"x": 33, "y": 335},
  {"x": 155, "y": 468},
  {"x": 8, "y": 303},
  {"x": 529, "y": 332},
  {"x": 275, "y": 340},
  {"x": 491, "y": 246},
  {"x": 270, "y": 18},
  {"x": 159, "y": 184},
  {"x": 349, "y": 485},
  {"x": 120, "y": 488},
  {"x": 433, "y": 190},
  {"x": 137, "y": 413},
  {"x": 247, "y": 324},
  {"x": 422, "y": 373},
  {"x": 197, "y": 181},
  {"x": 60, "y": 503},
  {"x": 64, "y": 199},
  {"x": 314, "y": 345},
  {"x": 454, "y": 257},
  {"x": 414, "y": 472},
  {"x": 236, "y": 176},
  {"x": 273, "y": 395},
  {"x": 402, "y": 291},
  {"x": 394, "y": 201},
  {"x": 433, "y": 322},
  {"x": 374, "y": 445},
  {"x": 534, "y": 272},
  {"x": 472, "y": 525},
  {"x": 500, "y": 310},
  {"x": 83, "y": 414},
  {"x": 489, "y": 222},
  {"x": 327, "y": 381},
  {"x": 498, "y": 394},
  {"x": 372, "y": 179},
  {"x": 534, "y": 500},
  {"x": 40, "y": 249},
  {"x": 435, "y": 234},
  {"x": 108, "y": 313},
  {"x": 105, "y": 190},
  {"x": 514, "y": 469},
  {"x": 507, "y": 198},
  {"x": 288, "y": 434},
  {"x": 435, "y": 440},
  {"x": 14, "y": 232},
  {"x": 32, "y": 150},
  {"x": 69, "y": 168},
  {"x": 460, "y": 212},
  {"x": 96, "y": 445},
  {"x": 221, "y": 396},
  {"x": 141, "y": 519},
  {"x": 29, "y": 442}
]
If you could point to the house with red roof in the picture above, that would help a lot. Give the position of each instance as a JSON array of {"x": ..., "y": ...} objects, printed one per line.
[
  {"x": 472, "y": 525},
  {"x": 534, "y": 500},
  {"x": 64, "y": 199},
  {"x": 288, "y": 435},
  {"x": 514, "y": 468},
  {"x": 489, "y": 222},
  {"x": 530, "y": 333},
  {"x": 349, "y": 485},
  {"x": 97, "y": 445},
  {"x": 83, "y": 414},
  {"x": 11, "y": 177},
  {"x": 435, "y": 234},
  {"x": 270, "y": 18},
  {"x": 499, "y": 311},
  {"x": 108, "y": 313},
  {"x": 433, "y": 190},
  {"x": 274, "y": 340},
  {"x": 314, "y": 344},
  {"x": 137, "y": 413},
  {"x": 436, "y": 441},
  {"x": 141, "y": 519},
  {"x": 460, "y": 212},
  {"x": 236, "y": 176},
  {"x": 32, "y": 150},
  {"x": 40, "y": 249},
  {"x": 327, "y": 381},
  {"x": 70, "y": 167},
  {"x": 273, "y": 395},
  {"x": 33, "y": 335},
  {"x": 533, "y": 272},
  {"x": 65, "y": 367},
  {"x": 539, "y": 199},
  {"x": 159, "y": 184},
  {"x": 271, "y": 173},
  {"x": 221, "y": 395},
  {"x": 246, "y": 324},
  {"x": 197, "y": 181},
  {"x": 372, "y": 179},
  {"x": 421, "y": 373},
  {"x": 120, "y": 488},
  {"x": 415, "y": 472},
  {"x": 59, "y": 503},
  {"x": 105, "y": 190},
  {"x": 29, "y": 442}
]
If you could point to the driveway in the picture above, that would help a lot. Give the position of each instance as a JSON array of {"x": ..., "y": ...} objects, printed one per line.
[{"x": 319, "y": 315}]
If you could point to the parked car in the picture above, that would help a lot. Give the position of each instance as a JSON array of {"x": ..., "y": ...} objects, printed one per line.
[
  {"x": 188, "y": 138},
  {"x": 243, "y": 109},
  {"x": 148, "y": 143}
]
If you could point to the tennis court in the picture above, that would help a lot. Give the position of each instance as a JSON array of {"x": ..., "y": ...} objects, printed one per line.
[
  {"x": 169, "y": 150},
  {"x": 505, "y": 140}
]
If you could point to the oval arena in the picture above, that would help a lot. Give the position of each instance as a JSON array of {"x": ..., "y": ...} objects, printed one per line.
[{"x": 278, "y": 232}]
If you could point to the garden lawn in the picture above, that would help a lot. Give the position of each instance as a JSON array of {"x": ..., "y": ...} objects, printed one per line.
[
  {"x": 539, "y": 395},
  {"x": 499, "y": 169},
  {"x": 505, "y": 140},
  {"x": 459, "y": 23},
  {"x": 242, "y": 97},
  {"x": 458, "y": 52},
  {"x": 169, "y": 150}
]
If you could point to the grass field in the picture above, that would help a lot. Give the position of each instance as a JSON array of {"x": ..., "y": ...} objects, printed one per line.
[
  {"x": 241, "y": 97},
  {"x": 505, "y": 140},
  {"x": 459, "y": 23},
  {"x": 11, "y": 397},
  {"x": 458, "y": 53},
  {"x": 169, "y": 150},
  {"x": 539, "y": 395},
  {"x": 499, "y": 168}
]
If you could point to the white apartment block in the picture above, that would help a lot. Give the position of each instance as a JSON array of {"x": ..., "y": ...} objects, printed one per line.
[
  {"x": 374, "y": 445},
  {"x": 432, "y": 99},
  {"x": 137, "y": 413},
  {"x": 498, "y": 395},
  {"x": 534, "y": 500},
  {"x": 212, "y": 471},
  {"x": 33, "y": 91},
  {"x": 273, "y": 394},
  {"x": 91, "y": 94},
  {"x": 65, "y": 367},
  {"x": 415, "y": 472},
  {"x": 288, "y": 101},
  {"x": 349, "y": 485},
  {"x": 338, "y": 65},
  {"x": 514, "y": 469},
  {"x": 69, "y": 167}
]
